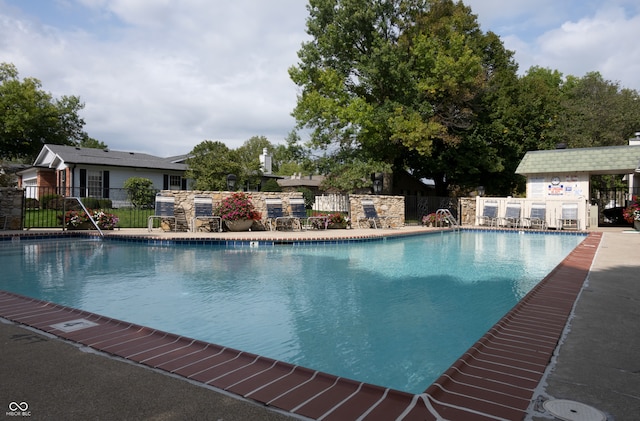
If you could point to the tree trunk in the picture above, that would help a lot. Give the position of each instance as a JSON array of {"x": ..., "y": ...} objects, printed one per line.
[{"x": 441, "y": 184}]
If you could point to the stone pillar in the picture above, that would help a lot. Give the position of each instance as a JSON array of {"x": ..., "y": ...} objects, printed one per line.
[
  {"x": 391, "y": 207},
  {"x": 11, "y": 199},
  {"x": 467, "y": 211}
]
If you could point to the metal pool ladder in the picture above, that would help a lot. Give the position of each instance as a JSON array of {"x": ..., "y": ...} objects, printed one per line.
[
  {"x": 445, "y": 216},
  {"x": 77, "y": 199}
]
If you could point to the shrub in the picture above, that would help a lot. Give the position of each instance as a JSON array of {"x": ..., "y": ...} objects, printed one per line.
[
  {"x": 308, "y": 196},
  {"x": 271, "y": 185},
  {"x": 90, "y": 202},
  {"x": 52, "y": 201},
  {"x": 105, "y": 204},
  {"x": 140, "y": 192},
  {"x": 632, "y": 212}
]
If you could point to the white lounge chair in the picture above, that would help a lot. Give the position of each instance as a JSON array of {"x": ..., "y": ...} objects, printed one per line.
[
  {"x": 489, "y": 216},
  {"x": 537, "y": 216},
  {"x": 511, "y": 216},
  {"x": 569, "y": 218},
  {"x": 203, "y": 211},
  {"x": 164, "y": 211}
]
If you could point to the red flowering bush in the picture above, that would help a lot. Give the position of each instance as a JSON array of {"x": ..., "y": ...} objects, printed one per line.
[
  {"x": 632, "y": 212},
  {"x": 236, "y": 207},
  {"x": 337, "y": 218}
]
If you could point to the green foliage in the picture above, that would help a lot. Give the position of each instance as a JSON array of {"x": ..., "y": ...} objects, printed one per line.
[
  {"x": 399, "y": 82},
  {"x": 291, "y": 158},
  {"x": 308, "y": 197},
  {"x": 417, "y": 85},
  {"x": 95, "y": 203},
  {"x": 52, "y": 201},
  {"x": 140, "y": 192},
  {"x": 211, "y": 161},
  {"x": 90, "y": 202},
  {"x": 47, "y": 218},
  {"x": 347, "y": 177},
  {"x": 248, "y": 157},
  {"x": 209, "y": 164},
  {"x": 271, "y": 185},
  {"x": 606, "y": 182},
  {"x": 89, "y": 142},
  {"x": 31, "y": 117},
  {"x": 596, "y": 112}
]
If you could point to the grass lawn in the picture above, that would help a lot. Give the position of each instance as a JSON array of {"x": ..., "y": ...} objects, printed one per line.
[{"x": 48, "y": 218}]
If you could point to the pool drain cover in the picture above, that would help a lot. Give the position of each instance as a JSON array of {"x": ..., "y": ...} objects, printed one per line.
[{"x": 573, "y": 411}]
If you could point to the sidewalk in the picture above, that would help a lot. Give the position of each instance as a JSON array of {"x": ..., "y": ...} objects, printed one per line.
[
  {"x": 61, "y": 381},
  {"x": 598, "y": 363}
]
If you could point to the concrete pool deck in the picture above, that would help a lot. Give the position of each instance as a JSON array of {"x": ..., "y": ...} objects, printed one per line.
[{"x": 596, "y": 365}]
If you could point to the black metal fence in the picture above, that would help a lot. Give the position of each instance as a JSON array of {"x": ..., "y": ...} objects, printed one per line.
[
  {"x": 415, "y": 207},
  {"x": 611, "y": 203},
  {"x": 46, "y": 207}
]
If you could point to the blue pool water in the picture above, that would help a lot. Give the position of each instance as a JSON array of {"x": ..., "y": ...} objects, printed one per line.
[{"x": 396, "y": 313}]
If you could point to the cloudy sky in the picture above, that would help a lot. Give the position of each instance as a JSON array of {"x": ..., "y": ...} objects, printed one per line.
[{"x": 161, "y": 76}]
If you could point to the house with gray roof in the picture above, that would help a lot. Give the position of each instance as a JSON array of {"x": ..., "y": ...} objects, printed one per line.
[{"x": 90, "y": 172}]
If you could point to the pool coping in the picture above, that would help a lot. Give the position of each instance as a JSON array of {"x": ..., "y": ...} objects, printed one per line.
[{"x": 495, "y": 379}]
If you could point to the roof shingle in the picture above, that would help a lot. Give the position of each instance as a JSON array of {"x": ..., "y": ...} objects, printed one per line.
[
  {"x": 604, "y": 160},
  {"x": 107, "y": 157}
]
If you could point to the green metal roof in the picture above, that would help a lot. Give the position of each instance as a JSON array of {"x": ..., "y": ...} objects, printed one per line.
[{"x": 605, "y": 160}]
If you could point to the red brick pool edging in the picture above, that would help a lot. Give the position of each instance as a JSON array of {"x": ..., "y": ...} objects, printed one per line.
[{"x": 494, "y": 380}]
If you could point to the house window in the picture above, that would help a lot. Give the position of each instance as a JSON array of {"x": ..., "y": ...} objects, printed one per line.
[
  {"x": 175, "y": 182},
  {"x": 30, "y": 188},
  {"x": 94, "y": 183}
]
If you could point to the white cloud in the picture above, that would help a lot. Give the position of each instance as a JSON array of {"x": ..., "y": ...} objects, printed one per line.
[
  {"x": 165, "y": 77},
  {"x": 574, "y": 37},
  {"x": 606, "y": 42},
  {"x": 161, "y": 76}
]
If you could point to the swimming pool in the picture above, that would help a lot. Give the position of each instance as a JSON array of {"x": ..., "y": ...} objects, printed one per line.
[{"x": 391, "y": 314}]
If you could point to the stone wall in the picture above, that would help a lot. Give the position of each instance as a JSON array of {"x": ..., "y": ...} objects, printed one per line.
[
  {"x": 389, "y": 206},
  {"x": 467, "y": 210},
  {"x": 11, "y": 208},
  {"x": 184, "y": 199}
]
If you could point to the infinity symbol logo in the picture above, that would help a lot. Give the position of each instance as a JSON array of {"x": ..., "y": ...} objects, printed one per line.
[{"x": 15, "y": 406}]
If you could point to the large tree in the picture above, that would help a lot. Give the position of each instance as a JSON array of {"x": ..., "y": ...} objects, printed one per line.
[
  {"x": 399, "y": 83},
  {"x": 210, "y": 162},
  {"x": 31, "y": 117},
  {"x": 597, "y": 112},
  {"x": 521, "y": 116},
  {"x": 293, "y": 157}
]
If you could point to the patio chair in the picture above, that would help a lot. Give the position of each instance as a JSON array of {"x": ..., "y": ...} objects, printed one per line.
[
  {"x": 511, "y": 216},
  {"x": 276, "y": 215},
  {"x": 298, "y": 212},
  {"x": 203, "y": 211},
  {"x": 318, "y": 222},
  {"x": 164, "y": 211},
  {"x": 371, "y": 217},
  {"x": 489, "y": 215},
  {"x": 537, "y": 216},
  {"x": 569, "y": 218}
]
